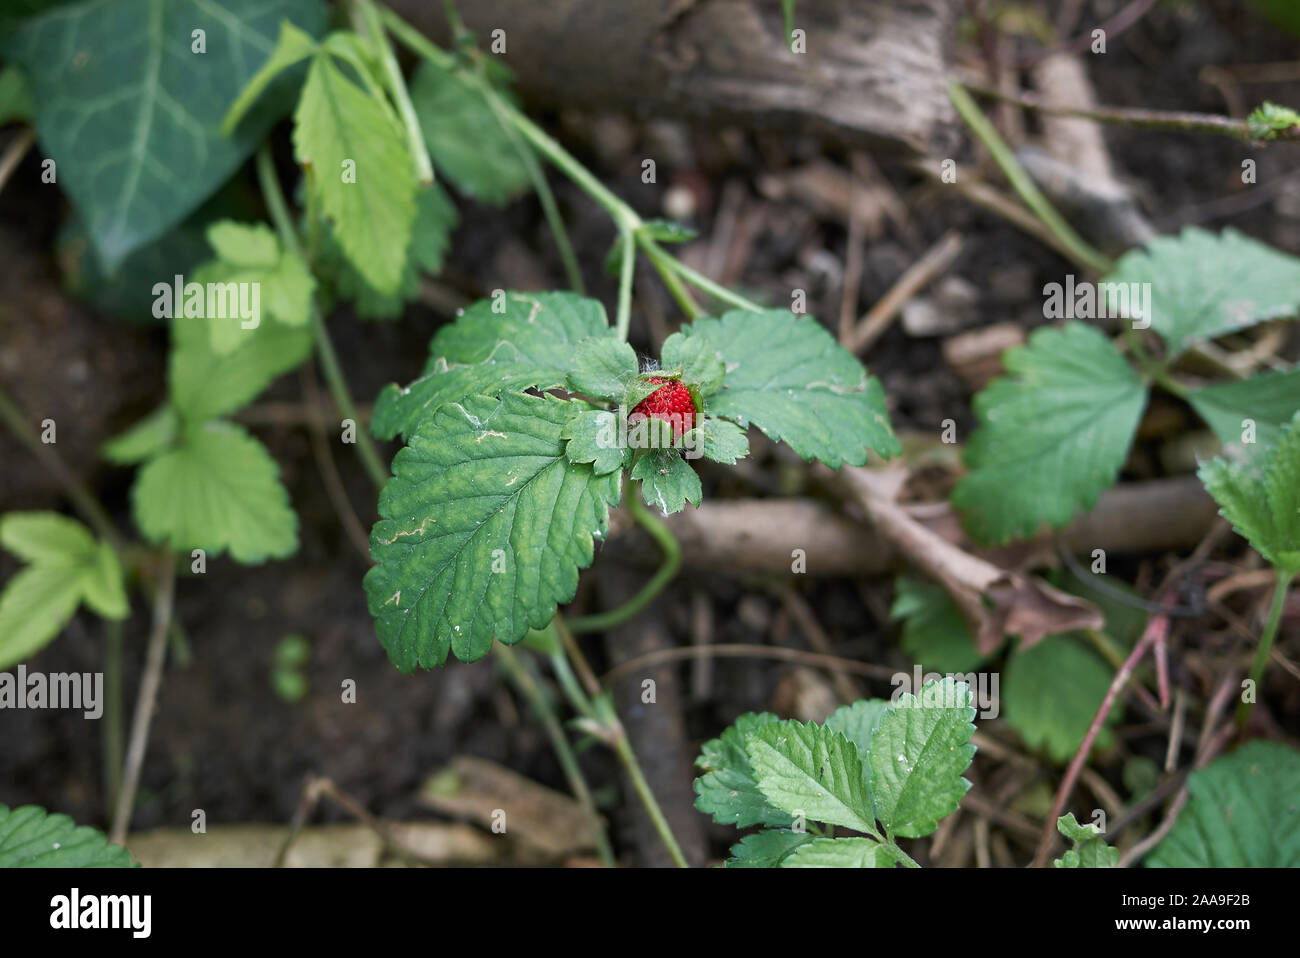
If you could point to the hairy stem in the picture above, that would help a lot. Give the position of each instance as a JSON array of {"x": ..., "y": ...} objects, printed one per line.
[
  {"x": 623, "y": 315},
  {"x": 1265, "y": 643}
]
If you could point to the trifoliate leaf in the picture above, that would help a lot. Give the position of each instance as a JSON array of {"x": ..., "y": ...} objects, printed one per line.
[
  {"x": 603, "y": 367},
  {"x": 841, "y": 853},
  {"x": 1261, "y": 406},
  {"x": 1051, "y": 714},
  {"x": 1089, "y": 848},
  {"x": 31, "y": 837},
  {"x": 205, "y": 385},
  {"x": 360, "y": 171},
  {"x": 1055, "y": 432},
  {"x": 716, "y": 439},
  {"x": 1261, "y": 498},
  {"x": 512, "y": 342},
  {"x": 934, "y": 633},
  {"x": 150, "y": 436},
  {"x": 466, "y": 141},
  {"x": 766, "y": 849},
  {"x": 131, "y": 111},
  {"x": 66, "y": 567},
  {"x": 484, "y": 527},
  {"x": 667, "y": 480},
  {"x": 729, "y": 791},
  {"x": 701, "y": 368},
  {"x": 858, "y": 723},
  {"x": 789, "y": 377},
  {"x": 593, "y": 437},
  {"x": 811, "y": 771},
  {"x": 218, "y": 490},
  {"x": 1203, "y": 285},
  {"x": 918, "y": 755},
  {"x": 1242, "y": 813}
]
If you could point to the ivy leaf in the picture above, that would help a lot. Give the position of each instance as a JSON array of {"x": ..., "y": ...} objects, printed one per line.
[
  {"x": 31, "y": 837},
  {"x": 718, "y": 440},
  {"x": 67, "y": 566},
  {"x": 484, "y": 527},
  {"x": 218, "y": 490},
  {"x": 790, "y": 378},
  {"x": 513, "y": 342},
  {"x": 1269, "y": 400},
  {"x": 1050, "y": 714},
  {"x": 811, "y": 770},
  {"x": 603, "y": 367},
  {"x": 131, "y": 114},
  {"x": 1261, "y": 498},
  {"x": 1241, "y": 813},
  {"x": 360, "y": 171},
  {"x": 766, "y": 849},
  {"x": 1056, "y": 431},
  {"x": 858, "y": 723},
  {"x": 465, "y": 139},
  {"x": 701, "y": 368},
  {"x": 934, "y": 633},
  {"x": 667, "y": 480},
  {"x": 729, "y": 791},
  {"x": 592, "y": 437},
  {"x": 1089, "y": 848},
  {"x": 918, "y": 755},
  {"x": 841, "y": 853},
  {"x": 1203, "y": 285}
]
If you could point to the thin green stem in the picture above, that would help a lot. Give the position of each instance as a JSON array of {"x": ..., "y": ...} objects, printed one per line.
[
  {"x": 663, "y": 263},
  {"x": 1079, "y": 249},
  {"x": 1266, "y": 642},
  {"x": 696, "y": 278},
  {"x": 672, "y": 562},
  {"x": 623, "y": 315},
  {"x": 1155, "y": 370},
  {"x": 112, "y": 728},
  {"x": 365, "y": 11},
  {"x": 273, "y": 196},
  {"x": 524, "y": 683}
]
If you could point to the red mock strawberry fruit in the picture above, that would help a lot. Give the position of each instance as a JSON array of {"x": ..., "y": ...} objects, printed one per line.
[{"x": 671, "y": 402}]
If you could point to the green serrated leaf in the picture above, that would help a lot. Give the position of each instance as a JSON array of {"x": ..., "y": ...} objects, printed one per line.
[
  {"x": 842, "y": 853},
  {"x": 729, "y": 791},
  {"x": 47, "y": 537},
  {"x": 766, "y": 849},
  {"x": 1261, "y": 405},
  {"x": 1261, "y": 498},
  {"x": 918, "y": 755},
  {"x": 484, "y": 527},
  {"x": 1052, "y": 693},
  {"x": 1204, "y": 285},
  {"x": 812, "y": 771},
  {"x": 858, "y": 723},
  {"x": 360, "y": 171},
  {"x": 592, "y": 437},
  {"x": 465, "y": 139},
  {"x": 1053, "y": 434},
  {"x": 512, "y": 342},
  {"x": 1241, "y": 813},
  {"x": 37, "y": 602},
  {"x": 701, "y": 368},
  {"x": 1090, "y": 849},
  {"x": 667, "y": 480},
  {"x": 131, "y": 114},
  {"x": 790, "y": 378},
  {"x": 31, "y": 837},
  {"x": 934, "y": 633},
  {"x": 603, "y": 367},
  {"x": 218, "y": 490},
  {"x": 716, "y": 439}
]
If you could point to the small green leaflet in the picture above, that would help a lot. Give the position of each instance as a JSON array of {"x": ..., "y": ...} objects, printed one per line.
[
  {"x": 1049, "y": 713},
  {"x": 1268, "y": 120},
  {"x": 1203, "y": 285},
  {"x": 766, "y": 849},
  {"x": 728, "y": 790},
  {"x": 66, "y": 566},
  {"x": 667, "y": 481},
  {"x": 696, "y": 359},
  {"x": 790, "y": 378},
  {"x": 150, "y": 436},
  {"x": 858, "y": 722},
  {"x": 1242, "y": 813},
  {"x": 841, "y": 853},
  {"x": 1261, "y": 498},
  {"x": 359, "y": 169},
  {"x": 813, "y": 771},
  {"x": 218, "y": 490},
  {"x": 1089, "y": 848},
  {"x": 592, "y": 437},
  {"x": 934, "y": 633},
  {"x": 1056, "y": 431},
  {"x": 918, "y": 754},
  {"x": 292, "y": 46},
  {"x": 1262, "y": 404},
  {"x": 603, "y": 368},
  {"x": 131, "y": 113},
  {"x": 466, "y": 141},
  {"x": 513, "y": 341},
  {"x": 717, "y": 440},
  {"x": 30, "y": 837},
  {"x": 484, "y": 527}
]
